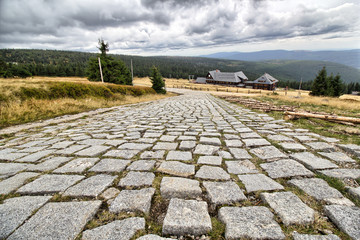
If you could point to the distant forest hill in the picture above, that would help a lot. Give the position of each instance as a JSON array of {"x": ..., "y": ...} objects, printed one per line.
[
  {"x": 68, "y": 63},
  {"x": 348, "y": 57}
]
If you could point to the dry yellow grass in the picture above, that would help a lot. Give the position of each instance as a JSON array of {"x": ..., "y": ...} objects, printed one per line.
[{"x": 16, "y": 111}]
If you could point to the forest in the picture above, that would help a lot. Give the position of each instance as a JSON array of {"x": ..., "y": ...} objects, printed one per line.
[{"x": 31, "y": 62}]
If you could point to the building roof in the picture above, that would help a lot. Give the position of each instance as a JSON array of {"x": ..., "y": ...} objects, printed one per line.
[
  {"x": 200, "y": 80},
  {"x": 266, "y": 79},
  {"x": 227, "y": 76}
]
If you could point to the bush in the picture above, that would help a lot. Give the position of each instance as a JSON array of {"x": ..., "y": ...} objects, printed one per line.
[{"x": 29, "y": 92}]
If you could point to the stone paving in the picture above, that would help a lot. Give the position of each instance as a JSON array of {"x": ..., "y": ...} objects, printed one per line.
[{"x": 180, "y": 167}]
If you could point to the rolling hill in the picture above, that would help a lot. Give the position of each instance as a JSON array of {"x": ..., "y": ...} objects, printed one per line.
[{"x": 68, "y": 63}]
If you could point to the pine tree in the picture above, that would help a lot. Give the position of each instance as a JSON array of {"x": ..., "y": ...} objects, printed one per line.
[
  {"x": 336, "y": 86},
  {"x": 319, "y": 87},
  {"x": 157, "y": 81}
]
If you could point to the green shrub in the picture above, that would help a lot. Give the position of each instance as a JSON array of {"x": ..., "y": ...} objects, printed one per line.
[{"x": 31, "y": 92}]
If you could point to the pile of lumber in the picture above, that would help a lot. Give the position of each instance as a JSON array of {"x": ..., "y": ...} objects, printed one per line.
[
  {"x": 255, "y": 104},
  {"x": 288, "y": 115}
]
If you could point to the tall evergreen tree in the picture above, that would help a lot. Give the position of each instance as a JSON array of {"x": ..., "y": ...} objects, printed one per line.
[
  {"x": 319, "y": 87},
  {"x": 114, "y": 71},
  {"x": 336, "y": 86},
  {"x": 157, "y": 81}
]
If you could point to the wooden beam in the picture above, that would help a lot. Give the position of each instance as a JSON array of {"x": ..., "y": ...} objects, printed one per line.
[{"x": 292, "y": 115}]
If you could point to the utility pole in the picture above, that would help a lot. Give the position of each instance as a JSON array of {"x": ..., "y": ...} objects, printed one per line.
[
  {"x": 132, "y": 72},
  {"x": 102, "y": 79}
]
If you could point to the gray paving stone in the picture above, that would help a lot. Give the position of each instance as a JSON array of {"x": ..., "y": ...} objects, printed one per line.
[
  {"x": 49, "y": 164},
  {"x": 14, "y": 211},
  {"x": 225, "y": 154},
  {"x": 10, "y": 184},
  {"x": 289, "y": 207},
  {"x": 62, "y": 144},
  {"x": 186, "y": 138},
  {"x": 77, "y": 165},
  {"x": 210, "y": 160},
  {"x": 159, "y": 154},
  {"x": 347, "y": 219},
  {"x": 11, "y": 156},
  {"x": 231, "y": 136},
  {"x": 187, "y": 145},
  {"x": 71, "y": 149},
  {"x": 317, "y": 188},
  {"x": 142, "y": 165},
  {"x": 342, "y": 173},
  {"x": 185, "y": 217},
  {"x": 177, "y": 168},
  {"x": 286, "y": 168},
  {"x": 93, "y": 151},
  {"x": 256, "y": 142},
  {"x": 240, "y": 153},
  {"x": 223, "y": 192},
  {"x": 165, "y": 146},
  {"x": 323, "y": 146},
  {"x": 337, "y": 157},
  {"x": 206, "y": 149},
  {"x": 250, "y": 135},
  {"x": 126, "y": 154},
  {"x": 233, "y": 143},
  {"x": 241, "y": 167},
  {"x": 298, "y": 236},
  {"x": 268, "y": 153},
  {"x": 152, "y": 237},
  {"x": 58, "y": 220},
  {"x": 292, "y": 146},
  {"x": 179, "y": 156},
  {"x": 110, "y": 193},
  {"x": 355, "y": 192},
  {"x": 250, "y": 223},
  {"x": 133, "y": 200},
  {"x": 90, "y": 187},
  {"x": 118, "y": 229},
  {"x": 49, "y": 183},
  {"x": 259, "y": 182},
  {"x": 304, "y": 138},
  {"x": 176, "y": 187},
  {"x": 350, "y": 148},
  {"x": 280, "y": 138},
  {"x": 214, "y": 173},
  {"x": 9, "y": 169},
  {"x": 137, "y": 179},
  {"x": 108, "y": 165},
  {"x": 168, "y": 138},
  {"x": 35, "y": 156},
  {"x": 312, "y": 162},
  {"x": 134, "y": 146}
]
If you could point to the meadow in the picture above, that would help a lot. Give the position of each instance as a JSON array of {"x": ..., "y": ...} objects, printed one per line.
[{"x": 39, "y": 98}]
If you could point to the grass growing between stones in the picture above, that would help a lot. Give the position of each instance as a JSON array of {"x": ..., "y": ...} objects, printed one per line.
[
  {"x": 218, "y": 229},
  {"x": 3, "y": 197}
]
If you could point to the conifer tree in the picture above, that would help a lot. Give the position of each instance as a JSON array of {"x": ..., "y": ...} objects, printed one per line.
[
  {"x": 336, "y": 86},
  {"x": 319, "y": 87},
  {"x": 157, "y": 81}
]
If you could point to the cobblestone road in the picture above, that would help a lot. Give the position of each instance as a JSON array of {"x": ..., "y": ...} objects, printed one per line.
[{"x": 183, "y": 166}]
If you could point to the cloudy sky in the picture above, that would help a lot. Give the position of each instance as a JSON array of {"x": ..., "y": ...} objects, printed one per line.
[{"x": 180, "y": 27}]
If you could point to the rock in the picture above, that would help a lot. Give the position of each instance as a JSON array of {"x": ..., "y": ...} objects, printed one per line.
[
  {"x": 127, "y": 154},
  {"x": 350, "y": 148},
  {"x": 289, "y": 207},
  {"x": 206, "y": 149},
  {"x": 210, "y": 160},
  {"x": 92, "y": 151},
  {"x": 338, "y": 157},
  {"x": 224, "y": 192},
  {"x": 210, "y": 141},
  {"x": 259, "y": 182},
  {"x": 240, "y": 153},
  {"x": 108, "y": 165},
  {"x": 110, "y": 193},
  {"x": 12, "y": 183},
  {"x": 241, "y": 167},
  {"x": 133, "y": 200},
  {"x": 77, "y": 165},
  {"x": 176, "y": 187},
  {"x": 323, "y": 146},
  {"x": 250, "y": 223},
  {"x": 187, "y": 145},
  {"x": 165, "y": 146},
  {"x": 137, "y": 179},
  {"x": 135, "y": 146},
  {"x": 255, "y": 142},
  {"x": 90, "y": 187},
  {"x": 355, "y": 192},
  {"x": 184, "y": 217},
  {"x": 347, "y": 219},
  {"x": 152, "y": 237},
  {"x": 9, "y": 169},
  {"x": 214, "y": 173},
  {"x": 159, "y": 154},
  {"x": 119, "y": 229},
  {"x": 57, "y": 220},
  {"x": 142, "y": 165},
  {"x": 233, "y": 143},
  {"x": 298, "y": 236},
  {"x": 292, "y": 146},
  {"x": 285, "y": 168},
  {"x": 179, "y": 155},
  {"x": 35, "y": 156},
  {"x": 312, "y": 162},
  {"x": 49, "y": 164},
  {"x": 268, "y": 153},
  {"x": 14, "y": 211},
  {"x": 280, "y": 138},
  {"x": 177, "y": 168},
  {"x": 49, "y": 183},
  {"x": 342, "y": 173}
]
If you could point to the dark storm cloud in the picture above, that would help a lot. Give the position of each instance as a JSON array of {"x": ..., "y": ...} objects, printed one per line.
[{"x": 168, "y": 24}]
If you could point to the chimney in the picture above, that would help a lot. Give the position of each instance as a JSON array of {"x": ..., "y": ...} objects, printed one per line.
[{"x": 217, "y": 70}]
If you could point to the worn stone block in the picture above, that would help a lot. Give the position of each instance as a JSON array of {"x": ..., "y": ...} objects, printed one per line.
[
  {"x": 259, "y": 182},
  {"x": 223, "y": 192},
  {"x": 177, "y": 168},
  {"x": 286, "y": 168},
  {"x": 176, "y": 187}
]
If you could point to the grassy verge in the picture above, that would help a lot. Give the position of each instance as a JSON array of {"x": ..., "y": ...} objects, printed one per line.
[{"x": 22, "y": 102}]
